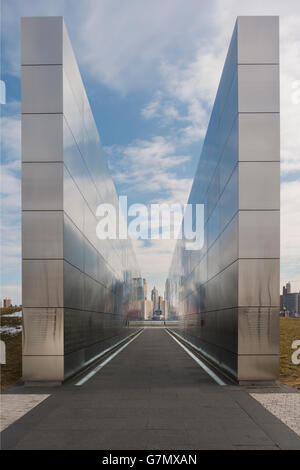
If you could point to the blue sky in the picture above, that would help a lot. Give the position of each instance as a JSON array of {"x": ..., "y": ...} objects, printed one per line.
[{"x": 151, "y": 71}]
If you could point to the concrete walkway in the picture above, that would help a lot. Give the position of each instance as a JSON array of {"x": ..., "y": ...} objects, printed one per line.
[{"x": 151, "y": 396}]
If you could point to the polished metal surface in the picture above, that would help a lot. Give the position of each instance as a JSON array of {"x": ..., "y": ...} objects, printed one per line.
[
  {"x": 258, "y": 40},
  {"x": 77, "y": 290},
  {"x": 259, "y": 137},
  {"x": 226, "y": 295},
  {"x": 42, "y": 234},
  {"x": 42, "y": 186},
  {"x": 42, "y": 89},
  {"x": 42, "y": 136}
]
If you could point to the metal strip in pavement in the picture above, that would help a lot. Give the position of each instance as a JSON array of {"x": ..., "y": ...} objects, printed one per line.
[
  {"x": 199, "y": 362},
  {"x": 106, "y": 361}
]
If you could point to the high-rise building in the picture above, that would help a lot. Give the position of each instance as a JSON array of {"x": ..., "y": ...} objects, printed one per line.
[
  {"x": 145, "y": 289},
  {"x": 288, "y": 287},
  {"x": 154, "y": 298},
  {"x": 148, "y": 309},
  {"x": 160, "y": 303},
  {"x": 165, "y": 309},
  {"x": 290, "y": 303},
  {"x": 6, "y": 303}
]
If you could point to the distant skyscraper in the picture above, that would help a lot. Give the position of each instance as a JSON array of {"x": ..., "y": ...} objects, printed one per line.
[
  {"x": 290, "y": 303},
  {"x": 6, "y": 303},
  {"x": 148, "y": 309},
  {"x": 138, "y": 282},
  {"x": 165, "y": 309},
  {"x": 154, "y": 298},
  {"x": 145, "y": 289},
  {"x": 288, "y": 287}
]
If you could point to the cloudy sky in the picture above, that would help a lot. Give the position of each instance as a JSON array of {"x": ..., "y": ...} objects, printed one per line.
[{"x": 151, "y": 71}]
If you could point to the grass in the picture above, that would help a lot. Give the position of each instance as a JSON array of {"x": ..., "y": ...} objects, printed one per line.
[
  {"x": 289, "y": 331},
  {"x": 11, "y": 372}
]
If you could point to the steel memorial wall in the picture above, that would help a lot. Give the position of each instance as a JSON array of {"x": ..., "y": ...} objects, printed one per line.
[
  {"x": 77, "y": 289},
  {"x": 226, "y": 294}
]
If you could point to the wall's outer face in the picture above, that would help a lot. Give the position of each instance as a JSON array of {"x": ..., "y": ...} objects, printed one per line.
[
  {"x": 75, "y": 300},
  {"x": 227, "y": 294}
]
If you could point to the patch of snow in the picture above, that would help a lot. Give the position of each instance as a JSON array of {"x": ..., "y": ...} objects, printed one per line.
[
  {"x": 11, "y": 330},
  {"x": 15, "y": 314}
]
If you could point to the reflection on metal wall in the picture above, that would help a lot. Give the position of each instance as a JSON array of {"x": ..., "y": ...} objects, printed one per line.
[
  {"x": 77, "y": 290},
  {"x": 227, "y": 293}
]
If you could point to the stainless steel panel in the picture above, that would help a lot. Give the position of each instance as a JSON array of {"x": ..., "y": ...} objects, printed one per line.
[
  {"x": 42, "y": 89},
  {"x": 258, "y": 88},
  {"x": 229, "y": 157},
  {"x": 227, "y": 329},
  {"x": 221, "y": 291},
  {"x": 42, "y": 234},
  {"x": 73, "y": 287},
  {"x": 42, "y": 138},
  {"x": 73, "y": 201},
  {"x": 41, "y": 40},
  {"x": 43, "y": 331},
  {"x": 73, "y": 244},
  {"x": 72, "y": 71},
  {"x": 259, "y": 234},
  {"x": 42, "y": 186},
  {"x": 259, "y": 137},
  {"x": 259, "y": 185},
  {"x": 213, "y": 259},
  {"x": 90, "y": 260},
  {"x": 94, "y": 295},
  {"x": 229, "y": 200},
  {"x": 43, "y": 368},
  {"x": 73, "y": 114},
  {"x": 258, "y": 39},
  {"x": 90, "y": 224},
  {"x": 258, "y": 330},
  {"x": 258, "y": 368},
  {"x": 229, "y": 244},
  {"x": 259, "y": 282},
  {"x": 42, "y": 283}
]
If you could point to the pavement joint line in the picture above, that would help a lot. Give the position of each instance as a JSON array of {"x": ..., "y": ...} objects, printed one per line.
[
  {"x": 106, "y": 361},
  {"x": 199, "y": 362}
]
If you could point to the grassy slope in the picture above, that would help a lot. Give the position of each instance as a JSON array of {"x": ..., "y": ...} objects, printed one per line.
[{"x": 289, "y": 331}]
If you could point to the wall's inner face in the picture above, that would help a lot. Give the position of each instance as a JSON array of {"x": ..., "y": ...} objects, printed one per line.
[
  {"x": 227, "y": 294},
  {"x": 77, "y": 289}
]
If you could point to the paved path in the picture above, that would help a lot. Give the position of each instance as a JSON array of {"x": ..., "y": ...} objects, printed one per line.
[{"x": 151, "y": 396}]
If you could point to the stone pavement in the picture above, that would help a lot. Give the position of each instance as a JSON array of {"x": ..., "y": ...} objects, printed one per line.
[
  {"x": 151, "y": 396},
  {"x": 286, "y": 406}
]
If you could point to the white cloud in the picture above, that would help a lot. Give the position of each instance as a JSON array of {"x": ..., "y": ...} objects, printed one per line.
[
  {"x": 126, "y": 41},
  {"x": 149, "y": 166},
  {"x": 188, "y": 93}
]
